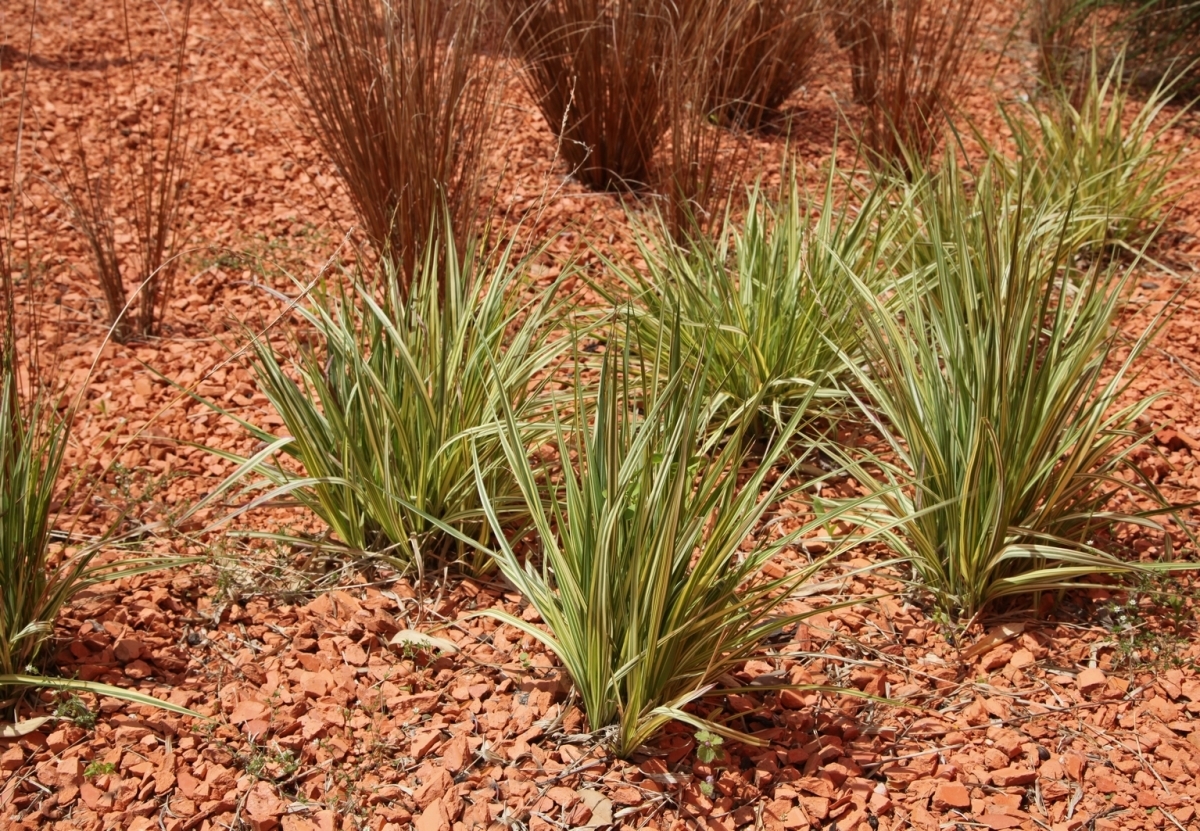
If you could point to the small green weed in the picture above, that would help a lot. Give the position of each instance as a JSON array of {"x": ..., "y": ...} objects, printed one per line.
[
  {"x": 95, "y": 769},
  {"x": 708, "y": 750},
  {"x": 269, "y": 763},
  {"x": 708, "y": 746},
  {"x": 1151, "y": 622},
  {"x": 75, "y": 709}
]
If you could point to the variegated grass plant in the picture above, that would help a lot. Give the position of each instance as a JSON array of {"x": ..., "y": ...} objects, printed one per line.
[
  {"x": 1091, "y": 146},
  {"x": 649, "y": 555},
  {"x": 766, "y": 306},
  {"x": 998, "y": 381},
  {"x": 42, "y": 567},
  {"x": 385, "y": 407}
]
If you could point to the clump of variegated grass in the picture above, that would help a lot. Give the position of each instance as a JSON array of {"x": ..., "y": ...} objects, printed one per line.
[
  {"x": 42, "y": 568},
  {"x": 42, "y": 565},
  {"x": 400, "y": 101},
  {"x": 765, "y": 306},
  {"x": 909, "y": 62},
  {"x": 1089, "y": 145},
  {"x": 996, "y": 382},
  {"x": 386, "y": 404},
  {"x": 644, "y": 567}
]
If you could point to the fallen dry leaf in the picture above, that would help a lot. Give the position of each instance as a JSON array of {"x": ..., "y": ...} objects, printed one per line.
[
  {"x": 419, "y": 640},
  {"x": 995, "y": 636},
  {"x": 601, "y": 808},
  {"x": 22, "y": 728}
]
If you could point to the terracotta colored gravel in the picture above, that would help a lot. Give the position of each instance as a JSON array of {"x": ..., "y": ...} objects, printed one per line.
[{"x": 1082, "y": 717}]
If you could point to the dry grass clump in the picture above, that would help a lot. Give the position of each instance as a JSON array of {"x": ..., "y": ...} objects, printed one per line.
[
  {"x": 766, "y": 59},
  {"x": 1056, "y": 29},
  {"x": 401, "y": 103},
  {"x": 1161, "y": 39},
  {"x": 697, "y": 164},
  {"x": 628, "y": 87},
  {"x": 146, "y": 150},
  {"x": 907, "y": 59},
  {"x": 596, "y": 69}
]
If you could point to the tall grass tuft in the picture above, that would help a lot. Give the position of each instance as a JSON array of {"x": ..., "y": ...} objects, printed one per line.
[
  {"x": 399, "y": 100},
  {"x": 1056, "y": 29},
  {"x": 697, "y": 164},
  {"x": 42, "y": 567},
  {"x": 998, "y": 382},
  {"x": 649, "y": 574},
  {"x": 1089, "y": 144},
  {"x": 1161, "y": 39},
  {"x": 387, "y": 403},
  {"x": 596, "y": 70},
  {"x": 767, "y": 57},
  {"x": 766, "y": 307},
  {"x": 909, "y": 62},
  {"x": 37, "y": 576},
  {"x": 150, "y": 157},
  {"x": 627, "y": 87}
]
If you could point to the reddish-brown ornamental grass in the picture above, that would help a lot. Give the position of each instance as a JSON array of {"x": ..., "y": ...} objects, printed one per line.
[
  {"x": 907, "y": 61},
  {"x": 398, "y": 98}
]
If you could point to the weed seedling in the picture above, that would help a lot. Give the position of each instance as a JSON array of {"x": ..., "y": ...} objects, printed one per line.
[
  {"x": 708, "y": 750},
  {"x": 72, "y": 708},
  {"x": 95, "y": 769}
]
